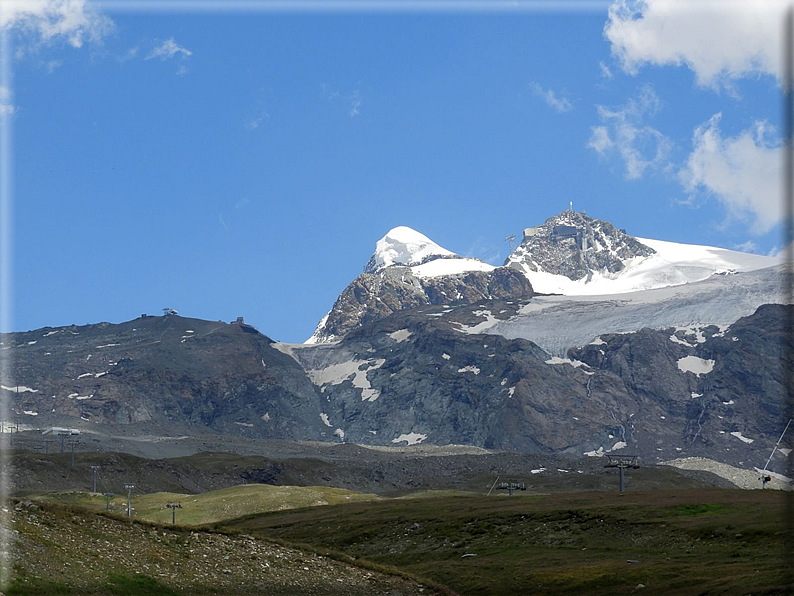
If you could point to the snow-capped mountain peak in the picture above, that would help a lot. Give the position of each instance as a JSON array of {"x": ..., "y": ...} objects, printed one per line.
[
  {"x": 409, "y": 270},
  {"x": 574, "y": 254},
  {"x": 404, "y": 246}
]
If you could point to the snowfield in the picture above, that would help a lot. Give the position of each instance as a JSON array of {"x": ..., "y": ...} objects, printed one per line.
[
  {"x": 441, "y": 267},
  {"x": 558, "y": 323},
  {"x": 673, "y": 264},
  {"x": 404, "y": 246}
]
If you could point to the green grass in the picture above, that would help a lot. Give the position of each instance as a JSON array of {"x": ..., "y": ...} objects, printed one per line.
[
  {"x": 695, "y": 510},
  {"x": 683, "y": 542},
  {"x": 209, "y": 507}
]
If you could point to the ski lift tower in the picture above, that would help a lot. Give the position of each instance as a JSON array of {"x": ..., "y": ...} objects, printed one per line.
[
  {"x": 511, "y": 486},
  {"x": 622, "y": 463}
]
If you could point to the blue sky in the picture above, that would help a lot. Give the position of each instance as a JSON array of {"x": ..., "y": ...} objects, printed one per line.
[{"x": 229, "y": 164}]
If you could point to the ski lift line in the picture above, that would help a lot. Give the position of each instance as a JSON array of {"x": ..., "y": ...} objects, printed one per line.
[
  {"x": 494, "y": 484},
  {"x": 766, "y": 465}
]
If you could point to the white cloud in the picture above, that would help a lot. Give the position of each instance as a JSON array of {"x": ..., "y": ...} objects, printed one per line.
[
  {"x": 182, "y": 70},
  {"x": 720, "y": 41},
  {"x": 254, "y": 123},
  {"x": 129, "y": 54},
  {"x": 560, "y": 104},
  {"x": 748, "y": 246},
  {"x": 6, "y": 107},
  {"x": 605, "y": 71},
  {"x": 781, "y": 252},
  {"x": 168, "y": 49},
  {"x": 355, "y": 103},
  {"x": 742, "y": 172},
  {"x": 50, "y": 20},
  {"x": 599, "y": 139},
  {"x": 623, "y": 130}
]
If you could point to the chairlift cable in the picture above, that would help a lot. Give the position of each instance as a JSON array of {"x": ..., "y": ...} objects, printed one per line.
[
  {"x": 494, "y": 484},
  {"x": 766, "y": 465}
]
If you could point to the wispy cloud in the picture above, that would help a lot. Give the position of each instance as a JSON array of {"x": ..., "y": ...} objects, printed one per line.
[
  {"x": 168, "y": 49},
  {"x": 719, "y": 41},
  {"x": 354, "y": 99},
  {"x": 74, "y": 21},
  {"x": 129, "y": 54},
  {"x": 355, "y": 103},
  {"x": 182, "y": 70},
  {"x": 748, "y": 246},
  {"x": 743, "y": 172},
  {"x": 254, "y": 123},
  {"x": 6, "y": 107},
  {"x": 486, "y": 251},
  {"x": 605, "y": 71},
  {"x": 223, "y": 223},
  {"x": 558, "y": 103},
  {"x": 52, "y": 65},
  {"x": 242, "y": 203},
  {"x": 623, "y": 130}
]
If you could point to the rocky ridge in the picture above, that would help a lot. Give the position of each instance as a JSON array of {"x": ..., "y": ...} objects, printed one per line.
[
  {"x": 409, "y": 270},
  {"x": 576, "y": 246}
]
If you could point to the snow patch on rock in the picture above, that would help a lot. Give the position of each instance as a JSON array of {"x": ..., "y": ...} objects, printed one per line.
[
  {"x": 410, "y": 438},
  {"x": 574, "y": 363},
  {"x": 401, "y": 335},
  {"x": 693, "y": 364},
  {"x": 20, "y": 389},
  {"x": 336, "y": 374}
]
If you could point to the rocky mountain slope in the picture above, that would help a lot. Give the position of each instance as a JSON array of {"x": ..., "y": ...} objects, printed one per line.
[
  {"x": 166, "y": 371},
  {"x": 59, "y": 550},
  {"x": 409, "y": 270},
  {"x": 434, "y": 348},
  {"x": 574, "y": 254},
  {"x": 413, "y": 377},
  {"x": 570, "y": 254},
  {"x": 422, "y": 375},
  {"x": 576, "y": 246}
]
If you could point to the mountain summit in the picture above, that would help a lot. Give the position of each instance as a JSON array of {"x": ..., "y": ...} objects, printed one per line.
[
  {"x": 408, "y": 270},
  {"x": 573, "y": 254},
  {"x": 404, "y": 246},
  {"x": 574, "y": 245},
  {"x": 570, "y": 254}
]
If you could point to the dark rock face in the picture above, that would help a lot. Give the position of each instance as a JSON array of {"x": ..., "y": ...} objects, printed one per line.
[
  {"x": 373, "y": 296},
  {"x": 420, "y": 375},
  {"x": 575, "y": 245},
  {"x": 164, "y": 371},
  {"x": 733, "y": 414},
  {"x": 419, "y": 378}
]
